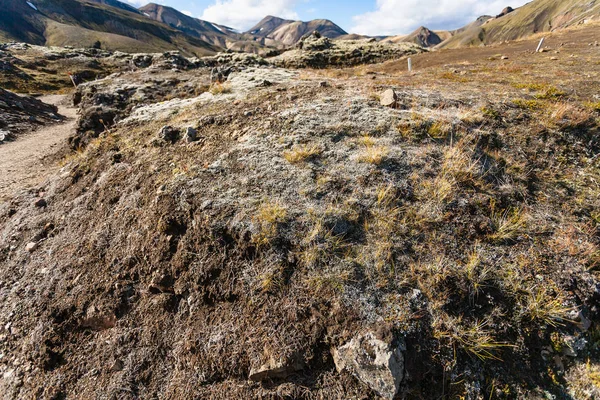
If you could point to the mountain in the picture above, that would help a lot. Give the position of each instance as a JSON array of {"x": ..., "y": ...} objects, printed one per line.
[
  {"x": 82, "y": 23},
  {"x": 290, "y": 32},
  {"x": 422, "y": 36},
  {"x": 118, "y": 4},
  {"x": 535, "y": 17},
  {"x": 475, "y": 24},
  {"x": 217, "y": 35}
]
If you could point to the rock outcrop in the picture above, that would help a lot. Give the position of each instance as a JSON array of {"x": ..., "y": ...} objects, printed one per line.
[
  {"x": 377, "y": 363},
  {"x": 22, "y": 114},
  {"x": 317, "y": 51}
]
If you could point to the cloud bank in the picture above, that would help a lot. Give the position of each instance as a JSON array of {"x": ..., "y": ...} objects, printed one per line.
[
  {"x": 394, "y": 17},
  {"x": 243, "y": 14}
]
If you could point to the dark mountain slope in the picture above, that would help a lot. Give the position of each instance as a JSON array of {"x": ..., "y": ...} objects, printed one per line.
[{"x": 82, "y": 23}]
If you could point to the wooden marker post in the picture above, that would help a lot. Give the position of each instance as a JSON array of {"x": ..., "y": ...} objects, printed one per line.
[
  {"x": 540, "y": 45},
  {"x": 72, "y": 79}
]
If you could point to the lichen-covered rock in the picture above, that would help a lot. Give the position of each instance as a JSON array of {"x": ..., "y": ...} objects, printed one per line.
[
  {"x": 315, "y": 52},
  {"x": 377, "y": 363}
]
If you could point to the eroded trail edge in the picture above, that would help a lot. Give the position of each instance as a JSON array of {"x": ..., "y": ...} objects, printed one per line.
[{"x": 31, "y": 158}]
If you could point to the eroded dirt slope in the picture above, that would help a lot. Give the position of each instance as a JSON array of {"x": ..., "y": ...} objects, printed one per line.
[{"x": 226, "y": 244}]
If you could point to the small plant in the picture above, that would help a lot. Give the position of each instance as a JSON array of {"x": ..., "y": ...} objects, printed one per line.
[
  {"x": 541, "y": 305},
  {"x": 568, "y": 116},
  {"x": 374, "y": 155},
  {"x": 508, "y": 225},
  {"x": 302, "y": 153},
  {"x": 530, "y": 105},
  {"x": 475, "y": 338},
  {"x": 594, "y": 106},
  {"x": 366, "y": 141},
  {"x": 458, "y": 163},
  {"x": 490, "y": 113},
  {"x": 268, "y": 217},
  {"x": 551, "y": 93},
  {"x": 220, "y": 88},
  {"x": 453, "y": 77},
  {"x": 470, "y": 117},
  {"x": 439, "y": 129},
  {"x": 529, "y": 86}
]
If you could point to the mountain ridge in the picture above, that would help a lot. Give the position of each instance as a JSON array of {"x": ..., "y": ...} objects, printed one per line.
[
  {"x": 289, "y": 32},
  {"x": 83, "y": 23}
]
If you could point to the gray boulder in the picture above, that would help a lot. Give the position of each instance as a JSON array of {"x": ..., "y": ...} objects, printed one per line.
[{"x": 376, "y": 363}]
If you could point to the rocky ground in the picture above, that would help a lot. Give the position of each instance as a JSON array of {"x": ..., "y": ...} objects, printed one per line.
[{"x": 252, "y": 231}]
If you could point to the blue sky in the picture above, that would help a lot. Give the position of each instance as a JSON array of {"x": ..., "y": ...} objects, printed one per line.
[{"x": 370, "y": 17}]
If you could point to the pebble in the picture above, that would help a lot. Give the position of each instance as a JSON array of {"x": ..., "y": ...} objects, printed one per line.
[
  {"x": 40, "y": 203},
  {"x": 31, "y": 247}
]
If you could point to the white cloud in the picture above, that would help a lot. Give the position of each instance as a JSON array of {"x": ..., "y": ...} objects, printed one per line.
[
  {"x": 243, "y": 14},
  {"x": 188, "y": 13},
  {"x": 393, "y": 17}
]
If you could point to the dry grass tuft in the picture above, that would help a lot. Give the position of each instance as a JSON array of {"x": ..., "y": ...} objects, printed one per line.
[
  {"x": 374, "y": 155},
  {"x": 541, "y": 304},
  {"x": 476, "y": 338},
  {"x": 268, "y": 217},
  {"x": 220, "y": 88},
  {"x": 302, "y": 153},
  {"x": 530, "y": 105},
  {"x": 568, "y": 116},
  {"x": 440, "y": 129},
  {"x": 508, "y": 224}
]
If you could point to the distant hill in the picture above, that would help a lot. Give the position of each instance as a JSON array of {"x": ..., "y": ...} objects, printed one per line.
[
  {"x": 82, "y": 23},
  {"x": 537, "y": 16},
  {"x": 290, "y": 32},
  {"x": 217, "y": 35},
  {"x": 422, "y": 36}
]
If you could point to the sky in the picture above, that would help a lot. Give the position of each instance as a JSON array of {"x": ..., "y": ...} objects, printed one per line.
[{"x": 367, "y": 17}]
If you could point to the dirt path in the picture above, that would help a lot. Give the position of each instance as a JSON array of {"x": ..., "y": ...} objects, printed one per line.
[{"x": 30, "y": 159}]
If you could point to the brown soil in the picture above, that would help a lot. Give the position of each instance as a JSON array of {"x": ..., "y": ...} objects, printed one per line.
[{"x": 32, "y": 158}]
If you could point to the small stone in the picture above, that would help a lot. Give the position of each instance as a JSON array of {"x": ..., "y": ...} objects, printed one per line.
[
  {"x": 324, "y": 84},
  {"x": 266, "y": 83},
  {"x": 275, "y": 368},
  {"x": 248, "y": 113},
  {"x": 554, "y": 58},
  {"x": 207, "y": 120},
  {"x": 504, "y": 57},
  {"x": 117, "y": 366},
  {"x": 3, "y": 135},
  {"x": 31, "y": 247},
  {"x": 40, "y": 203},
  {"x": 191, "y": 135},
  {"x": 389, "y": 98},
  {"x": 168, "y": 134}
]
